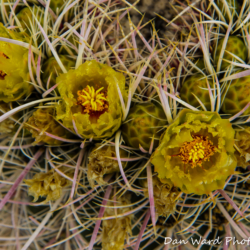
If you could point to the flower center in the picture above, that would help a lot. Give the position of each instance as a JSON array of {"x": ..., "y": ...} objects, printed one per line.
[
  {"x": 92, "y": 100},
  {"x": 197, "y": 151}
]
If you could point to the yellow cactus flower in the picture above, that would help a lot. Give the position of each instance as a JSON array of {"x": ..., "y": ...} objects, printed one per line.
[
  {"x": 43, "y": 120},
  {"x": 196, "y": 152},
  {"x": 100, "y": 164},
  {"x": 48, "y": 185},
  {"x": 90, "y": 97},
  {"x": 14, "y": 74},
  {"x": 242, "y": 142},
  {"x": 115, "y": 230},
  {"x": 165, "y": 195}
]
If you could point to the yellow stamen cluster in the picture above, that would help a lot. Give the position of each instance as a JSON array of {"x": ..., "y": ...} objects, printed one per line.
[
  {"x": 197, "y": 151},
  {"x": 92, "y": 100}
]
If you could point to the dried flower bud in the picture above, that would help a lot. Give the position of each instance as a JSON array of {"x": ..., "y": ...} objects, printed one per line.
[
  {"x": 43, "y": 120},
  {"x": 116, "y": 230},
  {"x": 165, "y": 195},
  {"x": 100, "y": 164},
  {"x": 7, "y": 126},
  {"x": 242, "y": 141},
  {"x": 47, "y": 185}
]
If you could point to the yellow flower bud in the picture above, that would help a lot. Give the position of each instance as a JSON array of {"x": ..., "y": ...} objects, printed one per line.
[{"x": 48, "y": 185}]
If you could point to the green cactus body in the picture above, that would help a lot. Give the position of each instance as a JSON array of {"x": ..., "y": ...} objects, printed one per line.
[
  {"x": 56, "y": 5},
  {"x": 51, "y": 67},
  {"x": 197, "y": 85},
  {"x": 236, "y": 46},
  {"x": 200, "y": 64},
  {"x": 144, "y": 121},
  {"x": 233, "y": 5},
  {"x": 237, "y": 96},
  {"x": 28, "y": 22},
  {"x": 25, "y": 16}
]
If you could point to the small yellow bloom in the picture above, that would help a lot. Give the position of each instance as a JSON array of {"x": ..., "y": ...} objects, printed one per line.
[
  {"x": 90, "y": 98},
  {"x": 48, "y": 185},
  {"x": 14, "y": 74},
  {"x": 196, "y": 152}
]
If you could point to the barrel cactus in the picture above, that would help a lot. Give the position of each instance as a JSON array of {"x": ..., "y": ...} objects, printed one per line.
[
  {"x": 51, "y": 69},
  {"x": 26, "y": 18},
  {"x": 144, "y": 122},
  {"x": 196, "y": 85},
  {"x": 120, "y": 97},
  {"x": 233, "y": 7},
  {"x": 237, "y": 96},
  {"x": 56, "y": 5},
  {"x": 235, "y": 45}
]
